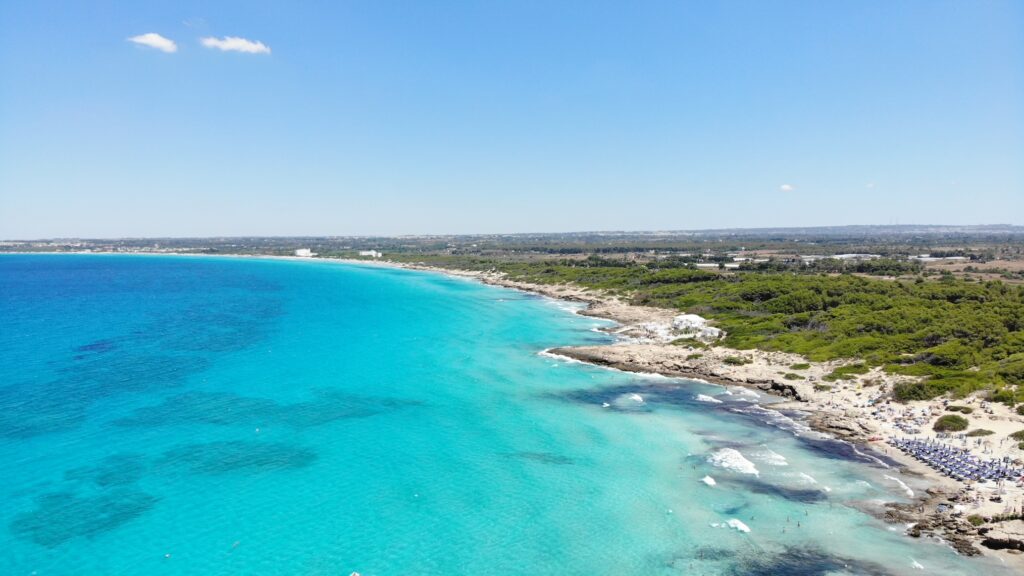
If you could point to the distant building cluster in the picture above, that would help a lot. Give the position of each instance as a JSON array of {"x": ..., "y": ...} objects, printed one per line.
[
  {"x": 930, "y": 258},
  {"x": 847, "y": 257}
]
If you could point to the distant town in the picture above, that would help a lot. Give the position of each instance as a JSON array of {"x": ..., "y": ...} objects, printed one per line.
[{"x": 981, "y": 252}]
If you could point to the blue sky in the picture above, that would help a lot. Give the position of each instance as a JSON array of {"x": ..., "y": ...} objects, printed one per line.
[{"x": 440, "y": 117}]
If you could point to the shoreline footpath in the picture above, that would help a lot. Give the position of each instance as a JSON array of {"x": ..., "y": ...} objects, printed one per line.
[{"x": 849, "y": 410}]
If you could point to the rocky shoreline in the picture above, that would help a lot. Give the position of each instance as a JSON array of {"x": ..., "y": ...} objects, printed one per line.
[{"x": 930, "y": 516}]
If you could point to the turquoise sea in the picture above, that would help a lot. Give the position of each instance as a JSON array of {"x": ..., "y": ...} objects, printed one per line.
[{"x": 166, "y": 415}]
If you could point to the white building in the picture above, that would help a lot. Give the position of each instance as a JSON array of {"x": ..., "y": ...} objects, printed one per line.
[
  {"x": 856, "y": 256},
  {"x": 694, "y": 326},
  {"x": 304, "y": 253},
  {"x": 370, "y": 253}
]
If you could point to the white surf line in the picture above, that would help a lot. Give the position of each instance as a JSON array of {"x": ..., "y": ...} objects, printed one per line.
[
  {"x": 910, "y": 493},
  {"x": 547, "y": 352},
  {"x": 880, "y": 462}
]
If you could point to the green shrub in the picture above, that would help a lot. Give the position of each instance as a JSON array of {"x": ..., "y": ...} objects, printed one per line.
[
  {"x": 951, "y": 423},
  {"x": 822, "y": 387},
  {"x": 801, "y": 366},
  {"x": 1020, "y": 409},
  {"x": 694, "y": 356},
  {"x": 906, "y": 391},
  {"x": 734, "y": 360},
  {"x": 847, "y": 372},
  {"x": 1020, "y": 446},
  {"x": 980, "y": 432},
  {"x": 975, "y": 520},
  {"x": 961, "y": 409},
  {"x": 791, "y": 376},
  {"x": 1018, "y": 435},
  {"x": 957, "y": 336}
]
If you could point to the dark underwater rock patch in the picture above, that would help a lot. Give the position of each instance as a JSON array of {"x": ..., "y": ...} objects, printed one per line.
[
  {"x": 157, "y": 354},
  {"x": 103, "y": 376},
  {"x": 30, "y": 409},
  {"x": 238, "y": 456},
  {"x": 223, "y": 327},
  {"x": 115, "y": 470},
  {"x": 841, "y": 450},
  {"x": 228, "y": 409},
  {"x": 735, "y": 510},
  {"x": 25, "y": 413},
  {"x": 62, "y": 516},
  {"x": 801, "y": 495},
  {"x": 542, "y": 457},
  {"x": 97, "y": 346},
  {"x": 205, "y": 408},
  {"x": 803, "y": 561},
  {"x": 713, "y": 553}
]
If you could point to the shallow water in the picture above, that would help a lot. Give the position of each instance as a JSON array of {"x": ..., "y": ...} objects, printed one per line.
[{"x": 171, "y": 415}]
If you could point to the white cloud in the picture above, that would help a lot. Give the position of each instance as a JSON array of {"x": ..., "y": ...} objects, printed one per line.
[
  {"x": 787, "y": 188},
  {"x": 870, "y": 185},
  {"x": 154, "y": 40},
  {"x": 235, "y": 44}
]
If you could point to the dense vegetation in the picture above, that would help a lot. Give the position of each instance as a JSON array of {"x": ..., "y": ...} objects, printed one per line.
[
  {"x": 961, "y": 336},
  {"x": 950, "y": 423}
]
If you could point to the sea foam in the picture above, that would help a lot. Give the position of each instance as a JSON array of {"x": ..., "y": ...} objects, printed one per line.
[
  {"x": 771, "y": 458},
  {"x": 734, "y": 523},
  {"x": 910, "y": 493},
  {"x": 731, "y": 459}
]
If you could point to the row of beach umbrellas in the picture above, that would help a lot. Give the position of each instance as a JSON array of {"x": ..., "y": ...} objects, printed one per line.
[{"x": 957, "y": 462}]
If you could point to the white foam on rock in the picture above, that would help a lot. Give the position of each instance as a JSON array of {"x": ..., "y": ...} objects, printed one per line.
[
  {"x": 630, "y": 401},
  {"x": 734, "y": 523},
  {"x": 731, "y": 459},
  {"x": 772, "y": 458},
  {"x": 708, "y": 399}
]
